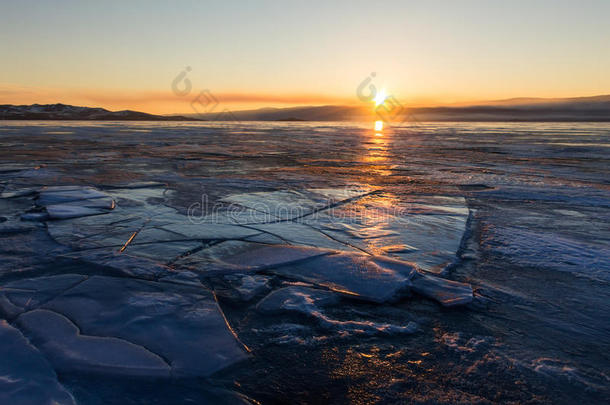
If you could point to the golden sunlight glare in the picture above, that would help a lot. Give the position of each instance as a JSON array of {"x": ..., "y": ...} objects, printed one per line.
[
  {"x": 380, "y": 97},
  {"x": 378, "y": 125}
]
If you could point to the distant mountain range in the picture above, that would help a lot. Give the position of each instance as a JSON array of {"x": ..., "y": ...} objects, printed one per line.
[
  {"x": 72, "y": 113},
  {"x": 579, "y": 109},
  {"x": 518, "y": 109}
]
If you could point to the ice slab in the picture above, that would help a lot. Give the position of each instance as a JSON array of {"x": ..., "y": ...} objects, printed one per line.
[
  {"x": 356, "y": 275},
  {"x": 182, "y": 324},
  {"x": 426, "y": 230},
  {"x": 63, "y": 202},
  {"x": 291, "y": 204},
  {"x": 428, "y": 235},
  {"x": 447, "y": 292},
  {"x": 23, "y": 295},
  {"x": 26, "y": 377},
  {"x": 72, "y": 211},
  {"x": 64, "y": 194},
  {"x": 69, "y": 350}
]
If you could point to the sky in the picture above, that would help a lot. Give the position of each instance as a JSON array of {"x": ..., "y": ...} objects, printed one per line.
[{"x": 252, "y": 54}]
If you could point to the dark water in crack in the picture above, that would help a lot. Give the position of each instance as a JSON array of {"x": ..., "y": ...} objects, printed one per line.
[{"x": 536, "y": 250}]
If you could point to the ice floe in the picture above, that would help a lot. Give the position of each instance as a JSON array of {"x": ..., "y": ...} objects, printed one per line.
[
  {"x": 147, "y": 321},
  {"x": 26, "y": 377},
  {"x": 356, "y": 275},
  {"x": 69, "y": 350}
]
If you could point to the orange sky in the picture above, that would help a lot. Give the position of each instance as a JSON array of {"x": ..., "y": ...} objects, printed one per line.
[{"x": 126, "y": 55}]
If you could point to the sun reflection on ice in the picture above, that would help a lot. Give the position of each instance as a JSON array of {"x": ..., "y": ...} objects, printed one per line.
[{"x": 378, "y": 127}]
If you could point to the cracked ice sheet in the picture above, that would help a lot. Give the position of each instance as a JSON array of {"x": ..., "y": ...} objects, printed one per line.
[
  {"x": 25, "y": 375},
  {"x": 358, "y": 276},
  {"x": 23, "y": 295},
  {"x": 290, "y": 204},
  {"x": 64, "y": 202},
  {"x": 242, "y": 256},
  {"x": 426, "y": 230},
  {"x": 428, "y": 235},
  {"x": 181, "y": 324},
  {"x": 70, "y": 350}
]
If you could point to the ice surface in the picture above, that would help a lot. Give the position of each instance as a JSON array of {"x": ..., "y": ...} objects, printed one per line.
[
  {"x": 71, "y": 211},
  {"x": 23, "y": 295},
  {"x": 209, "y": 231},
  {"x": 538, "y": 251},
  {"x": 427, "y": 231},
  {"x": 182, "y": 324},
  {"x": 292, "y": 204},
  {"x": 65, "y": 194},
  {"x": 589, "y": 259},
  {"x": 26, "y": 377},
  {"x": 356, "y": 275},
  {"x": 63, "y": 202},
  {"x": 263, "y": 257},
  {"x": 69, "y": 350}
]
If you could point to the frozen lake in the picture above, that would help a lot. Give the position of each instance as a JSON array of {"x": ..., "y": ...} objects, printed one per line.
[{"x": 304, "y": 262}]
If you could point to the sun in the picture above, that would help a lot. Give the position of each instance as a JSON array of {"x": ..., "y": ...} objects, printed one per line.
[{"x": 380, "y": 97}]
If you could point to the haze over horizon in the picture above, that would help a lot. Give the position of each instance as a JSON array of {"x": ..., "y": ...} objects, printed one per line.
[{"x": 126, "y": 56}]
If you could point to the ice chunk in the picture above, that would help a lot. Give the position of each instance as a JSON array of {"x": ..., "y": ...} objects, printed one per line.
[
  {"x": 309, "y": 301},
  {"x": 182, "y": 324},
  {"x": 64, "y": 194},
  {"x": 356, "y": 275},
  {"x": 25, "y": 375},
  {"x": 64, "y": 211},
  {"x": 448, "y": 293},
  {"x": 297, "y": 299},
  {"x": 69, "y": 350},
  {"x": 291, "y": 204}
]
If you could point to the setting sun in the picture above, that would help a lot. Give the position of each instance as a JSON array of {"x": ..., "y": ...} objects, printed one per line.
[
  {"x": 378, "y": 125},
  {"x": 380, "y": 97}
]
